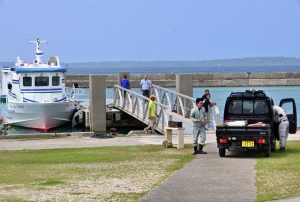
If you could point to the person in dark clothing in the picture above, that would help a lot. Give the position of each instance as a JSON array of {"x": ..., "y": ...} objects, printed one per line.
[
  {"x": 207, "y": 103},
  {"x": 205, "y": 93}
]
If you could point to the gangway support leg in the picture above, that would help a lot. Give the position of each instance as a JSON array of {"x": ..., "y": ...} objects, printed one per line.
[
  {"x": 168, "y": 136},
  {"x": 180, "y": 138}
]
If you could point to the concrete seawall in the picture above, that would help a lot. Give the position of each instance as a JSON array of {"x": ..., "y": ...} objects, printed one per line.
[{"x": 202, "y": 80}]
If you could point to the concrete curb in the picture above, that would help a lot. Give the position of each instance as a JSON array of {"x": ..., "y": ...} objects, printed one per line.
[
  {"x": 47, "y": 135},
  {"x": 292, "y": 199}
]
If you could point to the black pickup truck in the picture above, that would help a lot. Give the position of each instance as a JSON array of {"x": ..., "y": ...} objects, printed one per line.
[{"x": 258, "y": 131}]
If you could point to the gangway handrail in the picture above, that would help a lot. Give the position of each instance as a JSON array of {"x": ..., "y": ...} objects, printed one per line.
[
  {"x": 169, "y": 103},
  {"x": 139, "y": 95},
  {"x": 174, "y": 92},
  {"x": 183, "y": 104},
  {"x": 76, "y": 94},
  {"x": 136, "y": 105}
]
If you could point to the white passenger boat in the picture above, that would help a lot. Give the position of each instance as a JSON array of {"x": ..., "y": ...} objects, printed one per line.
[{"x": 35, "y": 93}]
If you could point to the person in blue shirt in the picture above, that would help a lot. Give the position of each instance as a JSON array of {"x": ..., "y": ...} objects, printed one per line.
[{"x": 125, "y": 84}]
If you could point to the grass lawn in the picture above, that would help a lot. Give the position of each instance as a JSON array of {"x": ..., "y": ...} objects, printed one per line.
[
  {"x": 279, "y": 176},
  {"x": 83, "y": 174}
]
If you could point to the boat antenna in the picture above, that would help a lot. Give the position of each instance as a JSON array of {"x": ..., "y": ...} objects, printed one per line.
[{"x": 38, "y": 51}]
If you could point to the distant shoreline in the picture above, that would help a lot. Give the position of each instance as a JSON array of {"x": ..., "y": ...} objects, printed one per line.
[{"x": 232, "y": 62}]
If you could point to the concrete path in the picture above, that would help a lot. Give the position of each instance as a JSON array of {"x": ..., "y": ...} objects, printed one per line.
[
  {"x": 79, "y": 141},
  {"x": 293, "y": 199},
  {"x": 209, "y": 178},
  {"x": 76, "y": 142}
]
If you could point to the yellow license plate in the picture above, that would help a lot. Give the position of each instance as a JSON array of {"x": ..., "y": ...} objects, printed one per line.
[{"x": 247, "y": 143}]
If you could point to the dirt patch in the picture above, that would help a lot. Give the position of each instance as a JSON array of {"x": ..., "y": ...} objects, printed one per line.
[
  {"x": 98, "y": 189},
  {"x": 87, "y": 174}
]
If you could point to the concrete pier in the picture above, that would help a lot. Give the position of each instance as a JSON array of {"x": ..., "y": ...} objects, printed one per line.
[
  {"x": 184, "y": 84},
  {"x": 97, "y": 103},
  {"x": 201, "y": 79}
]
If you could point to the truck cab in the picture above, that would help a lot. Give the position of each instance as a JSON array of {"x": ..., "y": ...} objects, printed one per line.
[{"x": 248, "y": 122}]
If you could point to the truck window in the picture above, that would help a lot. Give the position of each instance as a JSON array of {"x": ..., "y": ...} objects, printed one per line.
[
  {"x": 55, "y": 80},
  {"x": 41, "y": 81},
  {"x": 288, "y": 108},
  {"x": 248, "y": 107},
  {"x": 260, "y": 107},
  {"x": 235, "y": 107},
  {"x": 27, "y": 81}
]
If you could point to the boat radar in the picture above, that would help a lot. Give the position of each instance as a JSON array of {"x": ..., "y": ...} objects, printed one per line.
[{"x": 38, "y": 51}]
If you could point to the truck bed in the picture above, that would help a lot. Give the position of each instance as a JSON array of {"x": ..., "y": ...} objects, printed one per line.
[
  {"x": 235, "y": 135},
  {"x": 238, "y": 130}
]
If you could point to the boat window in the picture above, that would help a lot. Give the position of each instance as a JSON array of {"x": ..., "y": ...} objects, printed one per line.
[
  {"x": 55, "y": 80},
  {"x": 27, "y": 81},
  {"x": 42, "y": 81}
]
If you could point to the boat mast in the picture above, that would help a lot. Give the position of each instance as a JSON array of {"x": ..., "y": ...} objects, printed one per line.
[{"x": 38, "y": 51}]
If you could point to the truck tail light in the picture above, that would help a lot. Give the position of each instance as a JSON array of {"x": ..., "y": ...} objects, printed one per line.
[
  {"x": 261, "y": 141},
  {"x": 223, "y": 140}
]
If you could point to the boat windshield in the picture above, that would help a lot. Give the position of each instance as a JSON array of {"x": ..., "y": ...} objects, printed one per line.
[
  {"x": 27, "y": 81},
  {"x": 55, "y": 81},
  {"x": 41, "y": 81}
]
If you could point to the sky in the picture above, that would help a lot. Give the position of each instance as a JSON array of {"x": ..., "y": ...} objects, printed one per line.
[{"x": 147, "y": 30}]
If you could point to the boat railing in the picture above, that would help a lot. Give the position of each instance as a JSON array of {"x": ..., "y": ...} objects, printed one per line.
[
  {"x": 77, "y": 94},
  {"x": 12, "y": 97}
]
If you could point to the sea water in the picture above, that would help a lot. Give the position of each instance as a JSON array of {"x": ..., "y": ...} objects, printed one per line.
[{"x": 218, "y": 94}]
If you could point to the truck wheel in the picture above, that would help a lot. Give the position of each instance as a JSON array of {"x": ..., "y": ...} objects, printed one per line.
[
  {"x": 222, "y": 152},
  {"x": 273, "y": 147},
  {"x": 267, "y": 150}
]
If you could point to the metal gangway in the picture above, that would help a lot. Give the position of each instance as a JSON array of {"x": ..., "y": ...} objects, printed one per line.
[{"x": 170, "y": 106}]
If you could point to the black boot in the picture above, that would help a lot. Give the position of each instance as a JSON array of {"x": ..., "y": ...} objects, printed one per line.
[
  {"x": 201, "y": 149},
  {"x": 195, "y": 150},
  {"x": 282, "y": 149}
]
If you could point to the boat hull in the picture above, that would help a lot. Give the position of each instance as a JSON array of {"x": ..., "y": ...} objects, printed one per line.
[{"x": 41, "y": 116}]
